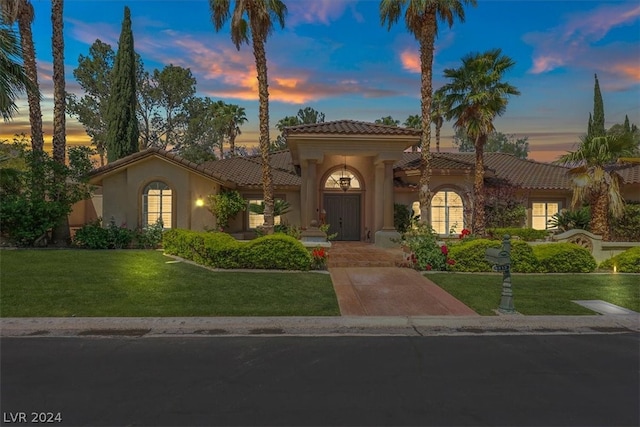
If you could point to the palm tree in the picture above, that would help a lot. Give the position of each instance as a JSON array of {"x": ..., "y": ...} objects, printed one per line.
[
  {"x": 414, "y": 122},
  {"x": 259, "y": 24},
  {"x": 474, "y": 96},
  {"x": 22, "y": 12},
  {"x": 437, "y": 115},
  {"x": 230, "y": 117},
  {"x": 61, "y": 233},
  {"x": 387, "y": 121},
  {"x": 421, "y": 18},
  {"x": 57, "y": 40},
  {"x": 593, "y": 177},
  {"x": 13, "y": 78}
]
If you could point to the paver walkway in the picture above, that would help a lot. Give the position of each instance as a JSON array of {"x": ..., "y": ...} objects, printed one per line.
[{"x": 367, "y": 284}]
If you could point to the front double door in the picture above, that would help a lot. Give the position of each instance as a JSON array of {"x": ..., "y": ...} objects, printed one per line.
[{"x": 343, "y": 215}]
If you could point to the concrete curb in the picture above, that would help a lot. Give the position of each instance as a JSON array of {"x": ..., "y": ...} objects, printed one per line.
[{"x": 317, "y": 326}]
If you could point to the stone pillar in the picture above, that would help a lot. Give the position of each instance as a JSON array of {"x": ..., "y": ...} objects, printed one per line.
[
  {"x": 378, "y": 197},
  {"x": 312, "y": 193},
  {"x": 388, "y": 196},
  {"x": 387, "y": 236},
  {"x": 304, "y": 208}
]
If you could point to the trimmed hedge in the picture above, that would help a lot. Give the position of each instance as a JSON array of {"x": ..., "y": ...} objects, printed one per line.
[
  {"x": 470, "y": 256},
  {"x": 526, "y": 234},
  {"x": 625, "y": 262},
  {"x": 564, "y": 258},
  {"x": 220, "y": 250}
]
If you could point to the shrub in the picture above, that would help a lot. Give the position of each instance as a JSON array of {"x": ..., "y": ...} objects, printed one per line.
[
  {"x": 276, "y": 251},
  {"x": 225, "y": 206},
  {"x": 470, "y": 256},
  {"x": 625, "y": 262},
  {"x": 566, "y": 220},
  {"x": 402, "y": 217},
  {"x": 526, "y": 234},
  {"x": 423, "y": 243},
  {"x": 627, "y": 227},
  {"x": 150, "y": 236},
  {"x": 95, "y": 236},
  {"x": 220, "y": 250},
  {"x": 564, "y": 258}
]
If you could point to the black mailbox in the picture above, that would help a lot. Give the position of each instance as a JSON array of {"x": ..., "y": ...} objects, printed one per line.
[{"x": 497, "y": 256}]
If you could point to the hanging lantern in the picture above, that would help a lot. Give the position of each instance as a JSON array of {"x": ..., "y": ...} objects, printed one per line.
[{"x": 345, "y": 181}]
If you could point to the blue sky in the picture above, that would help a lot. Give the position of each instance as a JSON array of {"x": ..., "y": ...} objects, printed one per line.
[{"x": 334, "y": 56}]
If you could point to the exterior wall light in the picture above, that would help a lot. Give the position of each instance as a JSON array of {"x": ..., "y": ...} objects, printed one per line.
[{"x": 200, "y": 202}]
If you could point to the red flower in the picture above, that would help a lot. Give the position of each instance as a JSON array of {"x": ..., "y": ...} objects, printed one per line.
[
  {"x": 444, "y": 249},
  {"x": 428, "y": 267},
  {"x": 318, "y": 253},
  {"x": 464, "y": 233},
  {"x": 451, "y": 261}
]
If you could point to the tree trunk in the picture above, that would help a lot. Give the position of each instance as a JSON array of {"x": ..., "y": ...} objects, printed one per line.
[
  {"x": 263, "y": 92},
  {"x": 232, "y": 143},
  {"x": 25, "y": 18},
  {"x": 599, "y": 223},
  {"x": 478, "y": 188},
  {"x": 427, "y": 41},
  {"x": 438, "y": 127},
  {"x": 61, "y": 235}
]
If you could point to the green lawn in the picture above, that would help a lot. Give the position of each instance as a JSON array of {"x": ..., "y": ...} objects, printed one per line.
[
  {"x": 56, "y": 283},
  {"x": 542, "y": 294}
]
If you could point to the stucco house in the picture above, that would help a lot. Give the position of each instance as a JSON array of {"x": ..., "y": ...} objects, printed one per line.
[{"x": 381, "y": 171}]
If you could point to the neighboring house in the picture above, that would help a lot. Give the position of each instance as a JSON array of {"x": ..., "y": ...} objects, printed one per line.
[{"x": 154, "y": 183}]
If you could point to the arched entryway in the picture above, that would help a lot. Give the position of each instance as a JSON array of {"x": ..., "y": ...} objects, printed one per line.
[{"x": 342, "y": 209}]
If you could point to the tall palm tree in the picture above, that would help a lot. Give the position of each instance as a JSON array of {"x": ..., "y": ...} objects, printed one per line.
[
  {"x": 593, "y": 177},
  {"x": 230, "y": 117},
  {"x": 421, "y": 18},
  {"x": 61, "y": 233},
  {"x": 22, "y": 12},
  {"x": 59, "y": 104},
  {"x": 437, "y": 115},
  {"x": 13, "y": 78},
  {"x": 257, "y": 27},
  {"x": 474, "y": 96}
]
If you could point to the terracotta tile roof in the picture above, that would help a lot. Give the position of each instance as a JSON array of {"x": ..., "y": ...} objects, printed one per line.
[
  {"x": 247, "y": 171},
  {"x": 630, "y": 174},
  {"x": 411, "y": 161},
  {"x": 351, "y": 127},
  {"x": 202, "y": 168},
  {"x": 525, "y": 173}
]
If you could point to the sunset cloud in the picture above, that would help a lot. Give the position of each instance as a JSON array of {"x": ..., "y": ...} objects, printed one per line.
[
  {"x": 320, "y": 11},
  {"x": 575, "y": 41},
  {"x": 410, "y": 60}
]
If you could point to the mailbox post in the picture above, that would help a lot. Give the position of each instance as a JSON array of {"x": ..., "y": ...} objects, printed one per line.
[{"x": 501, "y": 260}]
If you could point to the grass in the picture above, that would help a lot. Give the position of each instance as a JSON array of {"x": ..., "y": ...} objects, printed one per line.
[
  {"x": 83, "y": 283},
  {"x": 538, "y": 294}
]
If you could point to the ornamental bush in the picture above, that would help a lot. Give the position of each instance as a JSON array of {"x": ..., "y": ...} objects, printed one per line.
[
  {"x": 625, "y": 262},
  {"x": 276, "y": 251},
  {"x": 470, "y": 256},
  {"x": 220, "y": 250},
  {"x": 526, "y": 234},
  {"x": 564, "y": 258}
]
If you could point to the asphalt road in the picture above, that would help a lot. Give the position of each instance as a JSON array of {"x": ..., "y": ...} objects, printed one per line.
[{"x": 532, "y": 380}]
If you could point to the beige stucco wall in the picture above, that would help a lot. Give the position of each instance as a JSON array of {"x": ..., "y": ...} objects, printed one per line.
[{"x": 122, "y": 193}]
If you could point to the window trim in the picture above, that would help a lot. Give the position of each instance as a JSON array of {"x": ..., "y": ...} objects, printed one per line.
[
  {"x": 141, "y": 197},
  {"x": 546, "y": 216},
  {"x": 447, "y": 206},
  {"x": 247, "y": 213}
]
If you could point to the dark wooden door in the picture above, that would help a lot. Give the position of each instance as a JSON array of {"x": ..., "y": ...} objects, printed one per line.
[{"x": 343, "y": 215}]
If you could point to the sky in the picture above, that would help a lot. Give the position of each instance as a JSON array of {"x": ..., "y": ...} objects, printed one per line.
[{"x": 336, "y": 57}]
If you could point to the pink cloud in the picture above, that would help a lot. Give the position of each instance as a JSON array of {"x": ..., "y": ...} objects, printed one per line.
[
  {"x": 319, "y": 11},
  {"x": 410, "y": 59},
  {"x": 573, "y": 42}
]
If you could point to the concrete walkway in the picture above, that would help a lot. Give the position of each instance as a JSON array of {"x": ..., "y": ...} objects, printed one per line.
[{"x": 392, "y": 291}]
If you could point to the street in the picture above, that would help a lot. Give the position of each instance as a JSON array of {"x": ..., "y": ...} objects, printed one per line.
[{"x": 534, "y": 380}]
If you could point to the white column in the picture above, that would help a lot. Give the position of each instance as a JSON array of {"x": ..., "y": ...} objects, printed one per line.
[
  {"x": 388, "y": 196},
  {"x": 312, "y": 194}
]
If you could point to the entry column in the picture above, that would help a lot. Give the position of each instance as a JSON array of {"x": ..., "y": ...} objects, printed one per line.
[
  {"x": 312, "y": 197},
  {"x": 388, "y": 236}
]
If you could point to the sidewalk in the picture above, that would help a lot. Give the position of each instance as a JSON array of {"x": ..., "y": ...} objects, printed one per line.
[{"x": 318, "y": 326}]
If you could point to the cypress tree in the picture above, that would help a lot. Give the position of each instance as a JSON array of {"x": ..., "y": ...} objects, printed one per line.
[
  {"x": 598, "y": 111},
  {"x": 122, "y": 123},
  {"x": 627, "y": 126}
]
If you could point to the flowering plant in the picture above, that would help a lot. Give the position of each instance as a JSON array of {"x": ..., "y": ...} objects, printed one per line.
[
  {"x": 426, "y": 251},
  {"x": 464, "y": 233},
  {"x": 319, "y": 260}
]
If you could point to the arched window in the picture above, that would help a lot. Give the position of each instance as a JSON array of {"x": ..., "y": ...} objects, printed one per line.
[
  {"x": 157, "y": 202},
  {"x": 447, "y": 212},
  {"x": 333, "y": 181}
]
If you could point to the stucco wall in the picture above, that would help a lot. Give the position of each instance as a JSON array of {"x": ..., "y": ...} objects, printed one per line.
[{"x": 122, "y": 194}]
